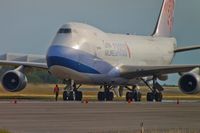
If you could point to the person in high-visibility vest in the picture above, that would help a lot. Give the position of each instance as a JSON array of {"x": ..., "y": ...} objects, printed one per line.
[{"x": 56, "y": 92}]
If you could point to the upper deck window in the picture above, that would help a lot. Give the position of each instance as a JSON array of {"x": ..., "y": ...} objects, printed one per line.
[{"x": 65, "y": 30}]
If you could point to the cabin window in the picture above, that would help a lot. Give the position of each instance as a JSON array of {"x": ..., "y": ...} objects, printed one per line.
[{"x": 65, "y": 30}]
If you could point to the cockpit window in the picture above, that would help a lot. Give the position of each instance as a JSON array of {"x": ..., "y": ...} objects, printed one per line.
[{"x": 64, "y": 30}]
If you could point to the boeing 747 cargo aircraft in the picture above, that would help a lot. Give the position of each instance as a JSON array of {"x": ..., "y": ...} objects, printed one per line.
[{"x": 82, "y": 54}]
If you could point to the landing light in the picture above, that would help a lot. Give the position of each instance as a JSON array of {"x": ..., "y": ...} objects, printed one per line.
[
  {"x": 76, "y": 47},
  {"x": 117, "y": 68}
]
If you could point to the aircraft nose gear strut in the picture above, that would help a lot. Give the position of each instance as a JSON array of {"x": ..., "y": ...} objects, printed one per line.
[
  {"x": 71, "y": 92},
  {"x": 156, "y": 91}
]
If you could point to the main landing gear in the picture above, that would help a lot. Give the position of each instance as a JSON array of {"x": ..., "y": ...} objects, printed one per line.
[
  {"x": 71, "y": 92},
  {"x": 106, "y": 95},
  {"x": 156, "y": 91},
  {"x": 134, "y": 94}
]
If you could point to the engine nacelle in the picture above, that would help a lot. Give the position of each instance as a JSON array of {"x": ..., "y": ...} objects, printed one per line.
[
  {"x": 189, "y": 83},
  {"x": 14, "y": 81}
]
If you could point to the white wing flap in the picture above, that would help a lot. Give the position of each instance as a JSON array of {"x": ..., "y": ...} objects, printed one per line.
[
  {"x": 23, "y": 57},
  {"x": 27, "y": 60},
  {"x": 130, "y": 72}
]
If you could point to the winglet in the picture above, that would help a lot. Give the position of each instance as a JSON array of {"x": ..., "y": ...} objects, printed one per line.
[{"x": 165, "y": 21}]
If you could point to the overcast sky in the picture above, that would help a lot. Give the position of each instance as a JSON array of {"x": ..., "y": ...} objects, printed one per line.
[{"x": 28, "y": 26}]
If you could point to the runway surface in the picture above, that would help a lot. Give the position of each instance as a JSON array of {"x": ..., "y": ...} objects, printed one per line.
[{"x": 76, "y": 117}]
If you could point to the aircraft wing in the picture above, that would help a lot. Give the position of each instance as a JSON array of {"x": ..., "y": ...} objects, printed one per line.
[
  {"x": 130, "y": 72},
  {"x": 27, "y": 60}
]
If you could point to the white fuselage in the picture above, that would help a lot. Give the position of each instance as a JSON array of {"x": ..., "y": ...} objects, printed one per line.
[{"x": 90, "y": 56}]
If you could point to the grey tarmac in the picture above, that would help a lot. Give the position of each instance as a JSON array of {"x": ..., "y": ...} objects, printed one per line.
[{"x": 77, "y": 117}]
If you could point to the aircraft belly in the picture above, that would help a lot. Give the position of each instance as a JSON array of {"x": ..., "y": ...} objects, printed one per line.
[
  {"x": 66, "y": 73},
  {"x": 93, "y": 79}
]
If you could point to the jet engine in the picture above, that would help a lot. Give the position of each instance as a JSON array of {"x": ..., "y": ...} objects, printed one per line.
[
  {"x": 189, "y": 83},
  {"x": 14, "y": 81}
]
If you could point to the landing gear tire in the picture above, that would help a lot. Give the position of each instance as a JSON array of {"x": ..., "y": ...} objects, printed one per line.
[
  {"x": 101, "y": 96},
  {"x": 150, "y": 97},
  {"x": 109, "y": 96},
  {"x": 78, "y": 95},
  {"x": 158, "y": 97},
  {"x": 71, "y": 96},
  {"x": 105, "y": 96},
  {"x": 65, "y": 95},
  {"x": 137, "y": 96}
]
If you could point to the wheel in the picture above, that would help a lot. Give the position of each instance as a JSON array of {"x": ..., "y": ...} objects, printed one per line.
[
  {"x": 65, "y": 95},
  {"x": 109, "y": 96},
  {"x": 78, "y": 95},
  {"x": 129, "y": 96},
  {"x": 158, "y": 97},
  {"x": 101, "y": 96},
  {"x": 71, "y": 96},
  {"x": 137, "y": 96},
  {"x": 150, "y": 97}
]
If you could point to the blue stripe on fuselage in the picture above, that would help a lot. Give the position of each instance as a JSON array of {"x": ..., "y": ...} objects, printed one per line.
[
  {"x": 76, "y": 60},
  {"x": 53, "y": 60}
]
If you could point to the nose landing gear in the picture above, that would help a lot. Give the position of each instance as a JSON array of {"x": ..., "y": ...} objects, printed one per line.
[{"x": 71, "y": 92}]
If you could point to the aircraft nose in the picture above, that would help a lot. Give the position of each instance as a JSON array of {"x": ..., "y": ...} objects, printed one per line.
[
  {"x": 74, "y": 59},
  {"x": 60, "y": 55}
]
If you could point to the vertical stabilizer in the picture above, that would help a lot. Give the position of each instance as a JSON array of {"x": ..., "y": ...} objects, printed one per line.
[{"x": 165, "y": 21}]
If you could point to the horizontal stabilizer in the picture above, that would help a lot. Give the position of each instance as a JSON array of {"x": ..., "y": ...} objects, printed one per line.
[{"x": 188, "y": 48}]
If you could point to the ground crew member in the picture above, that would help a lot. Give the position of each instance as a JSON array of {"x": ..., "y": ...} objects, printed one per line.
[{"x": 56, "y": 92}]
